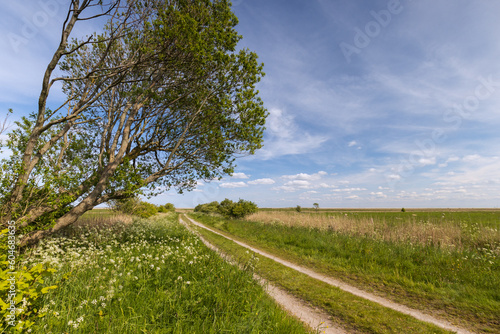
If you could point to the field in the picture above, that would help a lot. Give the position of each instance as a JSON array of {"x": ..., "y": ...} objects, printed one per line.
[
  {"x": 444, "y": 262},
  {"x": 149, "y": 276}
]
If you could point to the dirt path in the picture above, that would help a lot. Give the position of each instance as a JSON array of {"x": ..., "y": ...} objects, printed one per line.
[
  {"x": 313, "y": 317},
  {"x": 353, "y": 290}
]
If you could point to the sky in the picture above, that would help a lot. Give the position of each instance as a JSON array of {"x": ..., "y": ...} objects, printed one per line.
[{"x": 371, "y": 104}]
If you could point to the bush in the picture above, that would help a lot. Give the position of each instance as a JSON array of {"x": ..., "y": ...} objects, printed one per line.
[
  {"x": 208, "y": 208},
  {"x": 134, "y": 206},
  {"x": 145, "y": 210},
  {"x": 243, "y": 208},
  {"x": 169, "y": 207},
  {"x": 24, "y": 300},
  {"x": 228, "y": 208},
  {"x": 298, "y": 208}
]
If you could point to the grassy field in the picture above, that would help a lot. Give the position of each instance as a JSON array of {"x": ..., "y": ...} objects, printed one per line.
[
  {"x": 441, "y": 261},
  {"x": 150, "y": 276},
  {"x": 354, "y": 314}
]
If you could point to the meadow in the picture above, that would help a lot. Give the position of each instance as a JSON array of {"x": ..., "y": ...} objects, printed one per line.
[
  {"x": 148, "y": 276},
  {"x": 444, "y": 262}
]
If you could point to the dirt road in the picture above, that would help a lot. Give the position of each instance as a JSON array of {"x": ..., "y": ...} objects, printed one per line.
[
  {"x": 353, "y": 290},
  {"x": 313, "y": 317}
]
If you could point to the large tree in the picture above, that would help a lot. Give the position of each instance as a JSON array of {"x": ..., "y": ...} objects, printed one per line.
[{"x": 158, "y": 99}]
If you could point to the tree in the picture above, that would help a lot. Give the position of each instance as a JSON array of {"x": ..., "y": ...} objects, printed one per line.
[
  {"x": 158, "y": 100},
  {"x": 316, "y": 206},
  {"x": 243, "y": 208},
  {"x": 298, "y": 208}
]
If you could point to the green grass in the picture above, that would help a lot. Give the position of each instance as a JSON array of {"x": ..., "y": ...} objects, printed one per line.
[
  {"x": 151, "y": 276},
  {"x": 357, "y": 315},
  {"x": 483, "y": 217},
  {"x": 459, "y": 285}
]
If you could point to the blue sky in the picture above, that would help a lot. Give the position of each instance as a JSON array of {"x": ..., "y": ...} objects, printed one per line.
[{"x": 372, "y": 103}]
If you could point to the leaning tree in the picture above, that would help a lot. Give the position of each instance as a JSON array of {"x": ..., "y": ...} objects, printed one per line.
[{"x": 157, "y": 99}]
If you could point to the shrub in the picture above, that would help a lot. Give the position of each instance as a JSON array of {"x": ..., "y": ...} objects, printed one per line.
[
  {"x": 134, "y": 206},
  {"x": 403, "y": 210},
  {"x": 298, "y": 208},
  {"x": 145, "y": 210},
  {"x": 212, "y": 207},
  {"x": 228, "y": 208},
  {"x": 24, "y": 299},
  {"x": 169, "y": 207},
  {"x": 243, "y": 208}
]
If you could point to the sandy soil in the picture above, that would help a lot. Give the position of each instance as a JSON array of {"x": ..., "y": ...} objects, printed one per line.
[{"x": 353, "y": 290}]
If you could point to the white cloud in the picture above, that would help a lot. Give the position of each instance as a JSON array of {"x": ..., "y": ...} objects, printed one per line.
[
  {"x": 304, "y": 176},
  {"x": 352, "y": 197},
  {"x": 262, "y": 181},
  {"x": 239, "y": 176},
  {"x": 284, "y": 137},
  {"x": 427, "y": 161},
  {"x": 352, "y": 143},
  {"x": 287, "y": 189},
  {"x": 349, "y": 189},
  {"x": 299, "y": 184},
  {"x": 233, "y": 185},
  {"x": 378, "y": 194},
  {"x": 471, "y": 158}
]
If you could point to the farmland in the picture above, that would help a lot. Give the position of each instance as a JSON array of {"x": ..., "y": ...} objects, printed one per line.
[{"x": 444, "y": 262}]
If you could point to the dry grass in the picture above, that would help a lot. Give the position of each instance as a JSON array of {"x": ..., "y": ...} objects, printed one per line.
[
  {"x": 447, "y": 234},
  {"x": 98, "y": 220}
]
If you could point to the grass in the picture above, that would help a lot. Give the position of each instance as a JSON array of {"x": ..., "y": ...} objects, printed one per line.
[
  {"x": 458, "y": 283},
  {"x": 355, "y": 314},
  {"x": 151, "y": 276},
  {"x": 455, "y": 230},
  {"x": 101, "y": 218}
]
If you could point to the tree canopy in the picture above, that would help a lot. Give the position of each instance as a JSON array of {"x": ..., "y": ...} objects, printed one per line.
[{"x": 159, "y": 99}]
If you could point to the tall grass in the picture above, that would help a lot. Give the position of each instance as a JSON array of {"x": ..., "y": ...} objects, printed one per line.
[
  {"x": 459, "y": 281},
  {"x": 101, "y": 218},
  {"x": 439, "y": 230},
  {"x": 151, "y": 276}
]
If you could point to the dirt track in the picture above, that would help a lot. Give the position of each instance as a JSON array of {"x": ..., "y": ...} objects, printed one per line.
[
  {"x": 313, "y": 317},
  {"x": 348, "y": 288}
]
